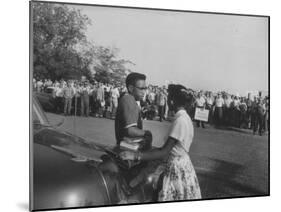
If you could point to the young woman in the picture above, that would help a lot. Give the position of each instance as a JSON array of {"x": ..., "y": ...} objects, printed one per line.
[{"x": 179, "y": 180}]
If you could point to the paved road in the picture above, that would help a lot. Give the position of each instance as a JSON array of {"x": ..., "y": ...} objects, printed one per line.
[{"x": 228, "y": 163}]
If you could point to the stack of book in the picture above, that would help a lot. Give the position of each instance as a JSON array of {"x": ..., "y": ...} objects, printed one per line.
[{"x": 133, "y": 144}]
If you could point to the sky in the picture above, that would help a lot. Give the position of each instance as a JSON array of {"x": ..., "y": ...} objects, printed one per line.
[{"x": 200, "y": 51}]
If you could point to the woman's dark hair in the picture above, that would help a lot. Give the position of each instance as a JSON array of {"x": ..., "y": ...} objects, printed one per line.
[
  {"x": 133, "y": 77},
  {"x": 180, "y": 95}
]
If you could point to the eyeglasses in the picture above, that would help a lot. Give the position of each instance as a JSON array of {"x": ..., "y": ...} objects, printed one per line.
[{"x": 143, "y": 88}]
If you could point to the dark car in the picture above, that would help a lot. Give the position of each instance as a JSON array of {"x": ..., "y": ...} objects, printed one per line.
[
  {"x": 52, "y": 104},
  {"x": 68, "y": 171},
  {"x": 46, "y": 99}
]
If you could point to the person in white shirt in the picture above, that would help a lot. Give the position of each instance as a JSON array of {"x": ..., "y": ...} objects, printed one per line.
[
  {"x": 100, "y": 97},
  {"x": 227, "y": 109},
  {"x": 219, "y": 102},
  {"x": 200, "y": 103},
  {"x": 59, "y": 98},
  {"x": 34, "y": 83},
  {"x": 39, "y": 86},
  {"x": 160, "y": 101},
  {"x": 114, "y": 101},
  {"x": 151, "y": 97},
  {"x": 243, "y": 122},
  {"x": 68, "y": 94}
]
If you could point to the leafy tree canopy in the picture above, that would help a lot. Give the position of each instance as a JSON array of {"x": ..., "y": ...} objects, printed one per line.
[
  {"x": 108, "y": 68},
  {"x": 61, "y": 49},
  {"x": 56, "y": 31}
]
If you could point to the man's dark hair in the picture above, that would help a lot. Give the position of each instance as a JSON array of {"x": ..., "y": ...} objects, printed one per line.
[{"x": 133, "y": 77}]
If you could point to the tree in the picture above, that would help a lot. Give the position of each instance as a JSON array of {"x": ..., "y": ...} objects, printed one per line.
[
  {"x": 61, "y": 49},
  {"x": 109, "y": 69},
  {"x": 57, "y": 31}
]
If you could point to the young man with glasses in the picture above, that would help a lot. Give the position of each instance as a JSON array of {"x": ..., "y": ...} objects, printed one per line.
[{"x": 128, "y": 122}]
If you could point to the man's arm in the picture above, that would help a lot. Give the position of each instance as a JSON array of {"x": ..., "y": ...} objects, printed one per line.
[
  {"x": 154, "y": 154},
  {"x": 159, "y": 153},
  {"x": 133, "y": 131}
]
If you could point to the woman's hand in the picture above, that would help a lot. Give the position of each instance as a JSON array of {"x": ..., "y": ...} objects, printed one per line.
[{"x": 128, "y": 155}]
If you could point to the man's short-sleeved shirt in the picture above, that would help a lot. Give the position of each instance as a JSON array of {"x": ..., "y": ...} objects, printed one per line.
[{"x": 128, "y": 114}]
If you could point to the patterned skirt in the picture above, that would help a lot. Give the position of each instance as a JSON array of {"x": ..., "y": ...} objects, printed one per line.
[{"x": 180, "y": 181}]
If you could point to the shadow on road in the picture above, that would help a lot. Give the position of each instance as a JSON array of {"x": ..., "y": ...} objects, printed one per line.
[{"x": 225, "y": 179}]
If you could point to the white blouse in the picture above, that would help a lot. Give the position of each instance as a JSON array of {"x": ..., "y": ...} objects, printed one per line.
[{"x": 181, "y": 130}]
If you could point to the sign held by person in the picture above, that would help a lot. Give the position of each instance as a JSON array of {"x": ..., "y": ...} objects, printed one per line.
[{"x": 201, "y": 114}]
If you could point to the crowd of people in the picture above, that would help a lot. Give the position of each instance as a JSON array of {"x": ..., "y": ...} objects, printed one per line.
[
  {"x": 98, "y": 99},
  {"x": 82, "y": 98},
  {"x": 235, "y": 111}
]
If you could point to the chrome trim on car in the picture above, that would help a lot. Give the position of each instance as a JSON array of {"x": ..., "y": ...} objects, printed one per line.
[{"x": 105, "y": 185}]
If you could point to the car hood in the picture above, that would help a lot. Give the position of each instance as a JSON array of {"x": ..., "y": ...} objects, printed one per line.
[
  {"x": 78, "y": 148},
  {"x": 60, "y": 180}
]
